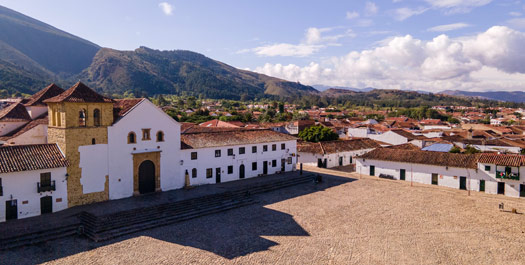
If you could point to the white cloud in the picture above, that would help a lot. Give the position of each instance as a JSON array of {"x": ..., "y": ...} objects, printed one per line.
[
  {"x": 449, "y": 27},
  {"x": 371, "y": 8},
  {"x": 515, "y": 14},
  {"x": 409, "y": 63},
  {"x": 315, "y": 39},
  {"x": 167, "y": 8},
  {"x": 352, "y": 15},
  {"x": 405, "y": 12},
  {"x": 457, "y": 6},
  {"x": 518, "y": 23}
]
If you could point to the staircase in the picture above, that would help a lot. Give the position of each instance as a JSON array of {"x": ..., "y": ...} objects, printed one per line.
[
  {"x": 100, "y": 228},
  {"x": 39, "y": 236}
]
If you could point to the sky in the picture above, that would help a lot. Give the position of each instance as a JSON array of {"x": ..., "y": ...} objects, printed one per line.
[{"x": 430, "y": 45}]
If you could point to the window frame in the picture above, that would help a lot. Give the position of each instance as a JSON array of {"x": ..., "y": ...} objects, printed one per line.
[
  {"x": 289, "y": 160},
  {"x": 254, "y": 166},
  {"x": 230, "y": 169},
  {"x": 230, "y": 152},
  {"x": 134, "y": 137},
  {"x": 283, "y": 146},
  {"x": 487, "y": 167},
  {"x": 97, "y": 119},
  {"x": 218, "y": 153},
  {"x": 146, "y": 134},
  {"x": 274, "y": 147},
  {"x": 242, "y": 150},
  {"x": 209, "y": 173},
  {"x": 192, "y": 157},
  {"x": 274, "y": 163},
  {"x": 265, "y": 148},
  {"x": 194, "y": 173},
  {"x": 254, "y": 149},
  {"x": 82, "y": 118},
  {"x": 45, "y": 179},
  {"x": 161, "y": 134}
]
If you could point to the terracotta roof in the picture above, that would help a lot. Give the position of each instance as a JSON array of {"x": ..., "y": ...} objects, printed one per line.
[
  {"x": 79, "y": 93},
  {"x": 194, "y": 140},
  {"x": 31, "y": 157},
  {"x": 15, "y": 112},
  {"x": 502, "y": 160},
  {"x": 423, "y": 157},
  {"x": 121, "y": 107},
  {"x": 41, "y": 120},
  {"x": 407, "y": 146},
  {"x": 48, "y": 92},
  {"x": 219, "y": 123},
  {"x": 186, "y": 125},
  {"x": 408, "y": 135},
  {"x": 330, "y": 147}
]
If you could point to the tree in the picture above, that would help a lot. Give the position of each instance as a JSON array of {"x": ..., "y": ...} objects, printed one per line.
[
  {"x": 455, "y": 150},
  {"x": 471, "y": 150},
  {"x": 318, "y": 133}
]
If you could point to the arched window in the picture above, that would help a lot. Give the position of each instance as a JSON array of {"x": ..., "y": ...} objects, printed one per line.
[
  {"x": 96, "y": 117},
  {"x": 160, "y": 136},
  {"x": 132, "y": 138},
  {"x": 194, "y": 173},
  {"x": 82, "y": 118}
]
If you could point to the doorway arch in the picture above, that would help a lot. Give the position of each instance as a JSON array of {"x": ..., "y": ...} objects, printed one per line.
[
  {"x": 146, "y": 177},
  {"x": 241, "y": 171}
]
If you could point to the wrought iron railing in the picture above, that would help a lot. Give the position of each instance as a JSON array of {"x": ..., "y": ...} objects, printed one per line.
[
  {"x": 507, "y": 175},
  {"x": 47, "y": 187}
]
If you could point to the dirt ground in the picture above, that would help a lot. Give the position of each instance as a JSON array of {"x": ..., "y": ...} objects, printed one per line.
[{"x": 344, "y": 220}]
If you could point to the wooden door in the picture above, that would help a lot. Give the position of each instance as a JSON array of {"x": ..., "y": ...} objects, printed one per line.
[
  {"x": 501, "y": 187},
  {"x": 372, "y": 170},
  {"x": 265, "y": 167},
  {"x": 434, "y": 179},
  {"x": 146, "y": 177},
  {"x": 218, "y": 175},
  {"x": 46, "y": 205},
  {"x": 462, "y": 183},
  {"x": 241, "y": 171},
  {"x": 402, "y": 174},
  {"x": 11, "y": 210}
]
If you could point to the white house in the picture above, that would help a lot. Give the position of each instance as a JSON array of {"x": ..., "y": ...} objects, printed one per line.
[
  {"x": 33, "y": 181},
  {"x": 13, "y": 117},
  {"x": 400, "y": 136},
  {"x": 490, "y": 173},
  {"x": 334, "y": 153},
  {"x": 232, "y": 154}
]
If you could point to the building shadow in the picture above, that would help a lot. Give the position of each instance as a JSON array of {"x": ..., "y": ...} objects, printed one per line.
[{"x": 229, "y": 234}]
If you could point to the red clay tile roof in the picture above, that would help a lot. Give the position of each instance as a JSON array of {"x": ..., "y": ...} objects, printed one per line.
[
  {"x": 219, "y": 123},
  {"x": 408, "y": 135},
  {"x": 41, "y": 120},
  {"x": 121, "y": 107},
  {"x": 229, "y": 137},
  {"x": 423, "y": 157},
  {"x": 31, "y": 157},
  {"x": 15, "y": 112},
  {"x": 502, "y": 160},
  {"x": 79, "y": 93},
  {"x": 330, "y": 147},
  {"x": 407, "y": 146},
  {"x": 48, "y": 92}
]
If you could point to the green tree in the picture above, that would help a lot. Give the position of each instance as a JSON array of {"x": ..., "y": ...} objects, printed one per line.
[
  {"x": 318, "y": 133},
  {"x": 471, "y": 150},
  {"x": 455, "y": 150}
]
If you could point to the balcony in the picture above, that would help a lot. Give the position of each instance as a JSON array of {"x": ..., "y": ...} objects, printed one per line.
[
  {"x": 507, "y": 175},
  {"x": 48, "y": 187}
]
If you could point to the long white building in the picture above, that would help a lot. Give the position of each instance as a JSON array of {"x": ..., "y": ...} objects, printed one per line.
[{"x": 490, "y": 173}]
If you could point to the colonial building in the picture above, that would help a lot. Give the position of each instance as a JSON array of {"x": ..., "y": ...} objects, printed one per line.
[
  {"x": 490, "y": 173},
  {"x": 125, "y": 147},
  {"x": 334, "y": 153},
  {"x": 33, "y": 180}
]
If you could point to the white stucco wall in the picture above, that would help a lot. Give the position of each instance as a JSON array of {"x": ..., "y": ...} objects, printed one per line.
[
  {"x": 36, "y": 111},
  {"x": 331, "y": 159},
  {"x": 446, "y": 177},
  {"x": 144, "y": 115},
  {"x": 22, "y": 186},
  {"x": 389, "y": 137},
  {"x": 206, "y": 159},
  {"x": 7, "y": 127},
  {"x": 94, "y": 164},
  {"x": 37, "y": 135}
]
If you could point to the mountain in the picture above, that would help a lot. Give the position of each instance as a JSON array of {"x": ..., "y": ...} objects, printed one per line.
[
  {"x": 510, "y": 96},
  {"x": 323, "y": 88},
  {"x": 33, "y": 54},
  {"x": 180, "y": 72}
]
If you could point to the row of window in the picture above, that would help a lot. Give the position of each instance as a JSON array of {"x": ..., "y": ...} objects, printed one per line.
[
  {"x": 242, "y": 150},
  {"x": 209, "y": 171},
  {"x": 132, "y": 138}
]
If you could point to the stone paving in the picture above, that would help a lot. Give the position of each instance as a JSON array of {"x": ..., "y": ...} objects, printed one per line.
[{"x": 348, "y": 219}]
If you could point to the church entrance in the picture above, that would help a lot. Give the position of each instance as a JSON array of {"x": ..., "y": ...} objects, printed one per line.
[{"x": 146, "y": 177}]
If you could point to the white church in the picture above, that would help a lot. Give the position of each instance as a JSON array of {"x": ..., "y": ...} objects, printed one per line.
[{"x": 66, "y": 148}]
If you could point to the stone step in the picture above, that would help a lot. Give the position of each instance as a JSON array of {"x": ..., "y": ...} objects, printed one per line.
[
  {"x": 110, "y": 234},
  {"x": 39, "y": 237}
]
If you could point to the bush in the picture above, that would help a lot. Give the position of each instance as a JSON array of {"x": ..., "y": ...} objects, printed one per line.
[{"x": 318, "y": 133}]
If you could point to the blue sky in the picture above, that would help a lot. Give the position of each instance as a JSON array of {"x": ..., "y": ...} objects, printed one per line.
[{"x": 402, "y": 44}]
